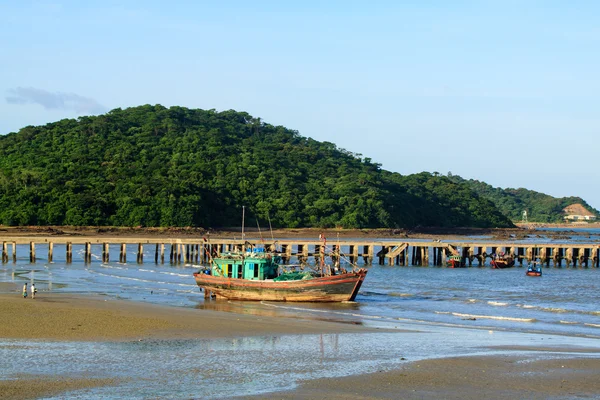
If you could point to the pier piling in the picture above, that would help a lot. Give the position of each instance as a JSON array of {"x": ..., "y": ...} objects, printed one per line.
[
  {"x": 401, "y": 253},
  {"x": 4, "y": 252},
  {"x": 32, "y": 252},
  {"x": 123, "y": 254}
]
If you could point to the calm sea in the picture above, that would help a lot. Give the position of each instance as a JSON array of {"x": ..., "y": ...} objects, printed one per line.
[{"x": 461, "y": 309}]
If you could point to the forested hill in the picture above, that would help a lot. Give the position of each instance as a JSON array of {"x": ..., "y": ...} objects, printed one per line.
[
  {"x": 540, "y": 207},
  {"x": 153, "y": 166}
]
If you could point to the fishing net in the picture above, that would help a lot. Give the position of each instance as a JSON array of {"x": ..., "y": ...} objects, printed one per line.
[{"x": 293, "y": 276}]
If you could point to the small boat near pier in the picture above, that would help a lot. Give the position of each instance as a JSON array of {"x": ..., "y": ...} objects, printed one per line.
[
  {"x": 534, "y": 270},
  {"x": 455, "y": 261},
  {"x": 501, "y": 261}
]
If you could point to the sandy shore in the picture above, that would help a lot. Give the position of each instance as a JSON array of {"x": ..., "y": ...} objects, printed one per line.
[
  {"x": 64, "y": 317},
  {"x": 80, "y": 318},
  {"x": 34, "y": 387},
  {"x": 61, "y": 317},
  {"x": 465, "y": 378}
]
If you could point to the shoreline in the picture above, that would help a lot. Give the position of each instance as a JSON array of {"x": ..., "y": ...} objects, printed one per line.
[
  {"x": 66, "y": 317},
  {"x": 520, "y": 231},
  {"x": 85, "y": 319},
  {"x": 509, "y": 372},
  {"x": 497, "y": 377},
  {"x": 534, "y": 372}
]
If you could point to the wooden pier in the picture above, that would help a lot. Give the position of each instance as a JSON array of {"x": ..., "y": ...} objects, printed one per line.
[{"x": 400, "y": 253}]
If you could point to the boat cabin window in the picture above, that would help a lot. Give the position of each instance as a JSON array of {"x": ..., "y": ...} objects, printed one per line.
[
  {"x": 240, "y": 271},
  {"x": 255, "y": 267},
  {"x": 229, "y": 270}
]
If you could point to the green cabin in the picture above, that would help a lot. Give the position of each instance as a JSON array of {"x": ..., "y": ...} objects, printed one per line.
[{"x": 255, "y": 265}]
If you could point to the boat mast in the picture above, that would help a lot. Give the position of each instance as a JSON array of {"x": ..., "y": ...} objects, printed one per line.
[
  {"x": 323, "y": 255},
  {"x": 338, "y": 252},
  {"x": 260, "y": 232},
  {"x": 243, "y": 218},
  {"x": 270, "y": 227},
  {"x": 271, "y": 230}
]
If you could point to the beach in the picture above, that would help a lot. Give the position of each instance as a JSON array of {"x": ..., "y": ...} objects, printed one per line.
[
  {"x": 111, "y": 330},
  {"x": 56, "y": 317},
  {"x": 67, "y": 317},
  {"x": 468, "y": 378}
]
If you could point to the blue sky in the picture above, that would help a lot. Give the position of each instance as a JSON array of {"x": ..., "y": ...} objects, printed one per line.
[{"x": 506, "y": 92}]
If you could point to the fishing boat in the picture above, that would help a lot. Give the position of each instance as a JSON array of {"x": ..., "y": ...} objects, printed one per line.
[
  {"x": 534, "y": 270},
  {"x": 502, "y": 261},
  {"x": 256, "y": 275},
  {"x": 454, "y": 261}
]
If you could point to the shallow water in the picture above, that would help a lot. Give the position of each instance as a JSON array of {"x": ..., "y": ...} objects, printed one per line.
[
  {"x": 226, "y": 368},
  {"x": 455, "y": 311},
  {"x": 562, "y": 301}
]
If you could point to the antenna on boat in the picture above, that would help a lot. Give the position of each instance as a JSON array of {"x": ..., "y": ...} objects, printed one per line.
[
  {"x": 271, "y": 230},
  {"x": 323, "y": 254},
  {"x": 259, "y": 232},
  {"x": 243, "y": 218},
  {"x": 337, "y": 262},
  {"x": 270, "y": 227}
]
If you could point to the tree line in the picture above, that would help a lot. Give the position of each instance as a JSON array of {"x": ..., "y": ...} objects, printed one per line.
[
  {"x": 155, "y": 167},
  {"x": 511, "y": 202}
]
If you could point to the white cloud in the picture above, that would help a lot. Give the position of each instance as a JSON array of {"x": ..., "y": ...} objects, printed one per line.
[{"x": 55, "y": 100}]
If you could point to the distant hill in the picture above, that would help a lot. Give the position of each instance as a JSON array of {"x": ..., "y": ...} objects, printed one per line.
[
  {"x": 156, "y": 166},
  {"x": 540, "y": 207}
]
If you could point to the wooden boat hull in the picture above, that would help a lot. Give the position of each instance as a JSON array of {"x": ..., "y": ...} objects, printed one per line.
[
  {"x": 502, "y": 264},
  {"x": 334, "y": 288},
  {"x": 454, "y": 264}
]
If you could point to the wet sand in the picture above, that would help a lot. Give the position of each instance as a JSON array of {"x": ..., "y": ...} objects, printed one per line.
[
  {"x": 61, "y": 317},
  {"x": 520, "y": 231},
  {"x": 465, "y": 378},
  {"x": 35, "y": 387},
  {"x": 80, "y": 318}
]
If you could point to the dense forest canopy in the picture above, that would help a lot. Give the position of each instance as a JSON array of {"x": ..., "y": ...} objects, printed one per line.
[
  {"x": 157, "y": 166},
  {"x": 540, "y": 207}
]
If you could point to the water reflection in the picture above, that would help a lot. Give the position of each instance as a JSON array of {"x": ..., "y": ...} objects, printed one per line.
[
  {"x": 333, "y": 312},
  {"x": 223, "y": 368}
]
